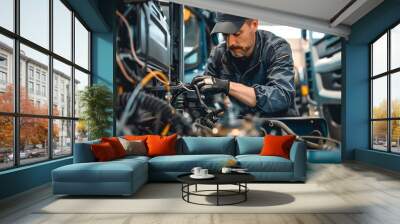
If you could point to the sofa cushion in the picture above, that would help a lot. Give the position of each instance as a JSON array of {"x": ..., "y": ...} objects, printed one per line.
[
  {"x": 277, "y": 145},
  {"x": 207, "y": 145},
  {"x": 116, "y": 145},
  {"x": 257, "y": 163},
  {"x": 103, "y": 152},
  {"x": 249, "y": 145},
  {"x": 134, "y": 147},
  {"x": 161, "y": 145},
  {"x": 111, "y": 171},
  {"x": 135, "y": 137},
  {"x": 185, "y": 163}
]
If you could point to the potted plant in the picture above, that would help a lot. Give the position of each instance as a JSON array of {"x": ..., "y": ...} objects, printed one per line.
[{"x": 96, "y": 104}]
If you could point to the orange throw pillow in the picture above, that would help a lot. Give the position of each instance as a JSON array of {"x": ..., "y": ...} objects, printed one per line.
[
  {"x": 116, "y": 145},
  {"x": 136, "y": 137},
  {"x": 160, "y": 146},
  {"x": 277, "y": 145},
  {"x": 103, "y": 152}
]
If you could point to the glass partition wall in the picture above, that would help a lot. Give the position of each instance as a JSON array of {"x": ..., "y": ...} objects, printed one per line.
[
  {"x": 44, "y": 64},
  {"x": 385, "y": 91}
]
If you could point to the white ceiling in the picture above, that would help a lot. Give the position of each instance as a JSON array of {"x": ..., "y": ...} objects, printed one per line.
[
  {"x": 316, "y": 15},
  {"x": 320, "y": 9}
]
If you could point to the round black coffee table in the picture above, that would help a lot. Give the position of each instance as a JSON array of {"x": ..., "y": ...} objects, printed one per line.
[{"x": 238, "y": 179}]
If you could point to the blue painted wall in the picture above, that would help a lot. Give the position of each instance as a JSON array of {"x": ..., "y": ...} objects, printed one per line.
[
  {"x": 380, "y": 159},
  {"x": 103, "y": 51},
  {"x": 103, "y": 58},
  {"x": 356, "y": 91},
  {"x": 98, "y": 15},
  {"x": 355, "y": 99},
  {"x": 103, "y": 63}
]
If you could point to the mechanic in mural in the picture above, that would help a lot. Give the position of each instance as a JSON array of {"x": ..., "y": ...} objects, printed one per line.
[{"x": 254, "y": 67}]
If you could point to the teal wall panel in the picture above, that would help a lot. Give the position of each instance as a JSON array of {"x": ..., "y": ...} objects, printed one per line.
[
  {"x": 103, "y": 63},
  {"x": 103, "y": 59},
  {"x": 24, "y": 178},
  {"x": 376, "y": 158},
  {"x": 103, "y": 52},
  {"x": 356, "y": 100}
]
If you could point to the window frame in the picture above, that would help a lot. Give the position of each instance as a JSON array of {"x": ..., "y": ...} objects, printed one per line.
[
  {"x": 16, "y": 114},
  {"x": 388, "y": 74}
]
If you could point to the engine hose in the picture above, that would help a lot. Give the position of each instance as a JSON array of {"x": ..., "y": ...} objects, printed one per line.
[
  {"x": 322, "y": 138},
  {"x": 205, "y": 107},
  {"x": 207, "y": 122},
  {"x": 175, "y": 96},
  {"x": 154, "y": 104},
  {"x": 284, "y": 127}
]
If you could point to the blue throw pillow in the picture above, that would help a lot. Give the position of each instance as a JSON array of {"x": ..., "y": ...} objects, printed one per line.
[
  {"x": 249, "y": 145},
  {"x": 207, "y": 145}
]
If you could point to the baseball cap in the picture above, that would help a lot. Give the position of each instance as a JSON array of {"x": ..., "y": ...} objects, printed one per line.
[{"x": 227, "y": 23}]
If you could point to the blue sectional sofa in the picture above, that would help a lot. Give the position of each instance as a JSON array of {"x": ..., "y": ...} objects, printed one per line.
[{"x": 125, "y": 176}]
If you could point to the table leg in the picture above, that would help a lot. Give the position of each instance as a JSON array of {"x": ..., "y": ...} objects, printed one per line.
[
  {"x": 196, "y": 187},
  {"x": 245, "y": 193},
  {"x": 188, "y": 189},
  {"x": 217, "y": 194},
  {"x": 182, "y": 189}
]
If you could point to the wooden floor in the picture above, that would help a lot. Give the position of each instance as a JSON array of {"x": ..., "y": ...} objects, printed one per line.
[{"x": 377, "y": 188}]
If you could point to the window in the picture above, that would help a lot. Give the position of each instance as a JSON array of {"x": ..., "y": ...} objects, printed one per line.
[
  {"x": 81, "y": 45},
  {"x": 33, "y": 147},
  {"x": 62, "y": 74},
  {"x": 3, "y": 78},
  {"x": 81, "y": 81},
  {"x": 37, "y": 75},
  {"x": 385, "y": 97},
  {"x": 62, "y": 137},
  {"x": 6, "y": 73},
  {"x": 35, "y": 21},
  {"x": 3, "y": 61},
  {"x": 62, "y": 29},
  {"x": 6, "y": 142},
  {"x": 30, "y": 72},
  {"x": 3, "y": 81},
  {"x": 7, "y": 14},
  {"x": 395, "y": 47},
  {"x": 30, "y": 87},
  {"x": 38, "y": 89},
  {"x": 47, "y": 74},
  {"x": 44, "y": 91},
  {"x": 3, "y": 72},
  {"x": 379, "y": 56}
]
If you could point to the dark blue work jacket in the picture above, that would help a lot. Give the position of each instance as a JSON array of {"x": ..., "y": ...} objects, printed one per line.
[{"x": 270, "y": 72}]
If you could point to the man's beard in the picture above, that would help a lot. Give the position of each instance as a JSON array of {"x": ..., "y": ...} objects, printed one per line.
[{"x": 239, "y": 52}]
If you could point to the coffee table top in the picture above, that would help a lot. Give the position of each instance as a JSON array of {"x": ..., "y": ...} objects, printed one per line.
[{"x": 220, "y": 178}]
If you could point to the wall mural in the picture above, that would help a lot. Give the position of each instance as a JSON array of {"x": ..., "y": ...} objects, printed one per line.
[{"x": 298, "y": 89}]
